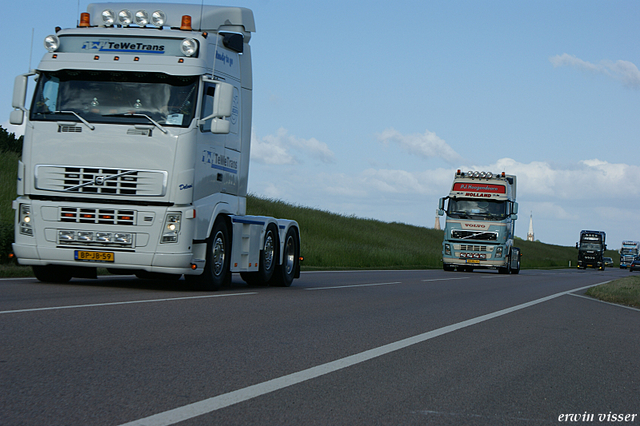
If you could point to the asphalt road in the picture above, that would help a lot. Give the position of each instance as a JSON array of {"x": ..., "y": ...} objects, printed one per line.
[{"x": 336, "y": 348}]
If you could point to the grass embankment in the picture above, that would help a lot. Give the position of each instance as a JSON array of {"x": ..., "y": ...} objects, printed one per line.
[
  {"x": 331, "y": 240},
  {"x": 625, "y": 291}
]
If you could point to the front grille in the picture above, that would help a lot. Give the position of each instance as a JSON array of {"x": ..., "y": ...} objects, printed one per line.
[
  {"x": 64, "y": 128},
  {"x": 101, "y": 181},
  {"x": 474, "y": 235},
  {"x": 101, "y": 216},
  {"x": 469, "y": 247}
]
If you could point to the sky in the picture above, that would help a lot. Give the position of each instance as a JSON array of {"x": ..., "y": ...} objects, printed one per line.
[{"x": 368, "y": 108}]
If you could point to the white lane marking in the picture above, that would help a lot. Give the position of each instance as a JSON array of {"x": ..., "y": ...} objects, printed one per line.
[
  {"x": 92, "y": 305},
  {"x": 603, "y": 301},
  {"x": 209, "y": 405},
  {"x": 351, "y": 286},
  {"x": 447, "y": 279}
]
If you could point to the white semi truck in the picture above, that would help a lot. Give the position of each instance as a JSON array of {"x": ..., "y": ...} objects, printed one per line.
[
  {"x": 480, "y": 225},
  {"x": 136, "y": 151}
]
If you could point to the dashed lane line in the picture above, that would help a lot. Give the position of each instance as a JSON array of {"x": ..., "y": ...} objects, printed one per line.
[{"x": 129, "y": 302}]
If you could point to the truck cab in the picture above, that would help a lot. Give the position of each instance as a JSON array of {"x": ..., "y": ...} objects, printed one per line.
[
  {"x": 136, "y": 150},
  {"x": 591, "y": 248},
  {"x": 480, "y": 224}
]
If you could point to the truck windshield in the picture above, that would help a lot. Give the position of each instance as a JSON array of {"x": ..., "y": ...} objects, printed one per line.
[
  {"x": 114, "y": 97},
  {"x": 590, "y": 243},
  {"x": 485, "y": 209}
]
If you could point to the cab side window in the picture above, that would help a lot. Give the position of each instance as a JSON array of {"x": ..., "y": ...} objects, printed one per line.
[{"x": 207, "y": 106}]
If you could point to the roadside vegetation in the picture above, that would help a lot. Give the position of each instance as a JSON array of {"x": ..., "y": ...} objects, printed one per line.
[{"x": 625, "y": 291}]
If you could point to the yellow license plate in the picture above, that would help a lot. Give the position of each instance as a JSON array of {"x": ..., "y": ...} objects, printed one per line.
[
  {"x": 473, "y": 261},
  {"x": 94, "y": 256}
]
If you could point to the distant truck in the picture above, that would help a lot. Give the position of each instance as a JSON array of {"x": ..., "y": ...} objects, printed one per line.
[
  {"x": 629, "y": 251},
  {"x": 591, "y": 249},
  {"x": 136, "y": 151},
  {"x": 480, "y": 224}
]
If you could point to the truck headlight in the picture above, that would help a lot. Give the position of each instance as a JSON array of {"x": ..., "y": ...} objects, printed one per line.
[
  {"x": 125, "y": 17},
  {"x": 158, "y": 18},
  {"x": 26, "y": 227},
  {"x": 171, "y": 228},
  {"x": 498, "y": 252},
  {"x": 189, "y": 47},
  {"x": 108, "y": 17},
  {"x": 142, "y": 18},
  {"x": 447, "y": 249},
  {"x": 51, "y": 43}
]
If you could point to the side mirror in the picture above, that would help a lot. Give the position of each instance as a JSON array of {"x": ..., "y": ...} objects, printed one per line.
[
  {"x": 513, "y": 216},
  {"x": 576, "y": 245},
  {"x": 515, "y": 208},
  {"x": 220, "y": 126},
  {"x": 19, "y": 95},
  {"x": 16, "y": 117},
  {"x": 222, "y": 107},
  {"x": 441, "y": 205},
  {"x": 19, "y": 91}
]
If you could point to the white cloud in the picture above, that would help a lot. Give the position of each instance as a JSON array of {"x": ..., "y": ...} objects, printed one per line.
[
  {"x": 624, "y": 71},
  {"x": 427, "y": 145},
  {"x": 589, "y": 180},
  {"x": 270, "y": 150},
  {"x": 281, "y": 148}
]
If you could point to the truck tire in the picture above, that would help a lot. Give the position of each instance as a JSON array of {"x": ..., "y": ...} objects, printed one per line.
[
  {"x": 268, "y": 259},
  {"x": 284, "y": 273},
  {"x": 52, "y": 274},
  {"x": 216, "y": 270},
  {"x": 447, "y": 268},
  {"x": 517, "y": 270}
]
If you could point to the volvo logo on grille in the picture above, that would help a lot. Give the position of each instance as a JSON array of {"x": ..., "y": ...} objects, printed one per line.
[{"x": 99, "y": 180}]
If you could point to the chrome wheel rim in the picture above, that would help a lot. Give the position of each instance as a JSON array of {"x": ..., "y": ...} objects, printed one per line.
[{"x": 218, "y": 256}]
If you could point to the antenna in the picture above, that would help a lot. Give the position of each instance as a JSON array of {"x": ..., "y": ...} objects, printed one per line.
[
  {"x": 31, "y": 50},
  {"x": 201, "y": 9}
]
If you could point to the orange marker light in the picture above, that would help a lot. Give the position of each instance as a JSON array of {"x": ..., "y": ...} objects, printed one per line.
[
  {"x": 84, "y": 19},
  {"x": 185, "y": 25}
]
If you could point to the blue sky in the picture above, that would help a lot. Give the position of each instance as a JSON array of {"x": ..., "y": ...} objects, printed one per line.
[{"x": 368, "y": 108}]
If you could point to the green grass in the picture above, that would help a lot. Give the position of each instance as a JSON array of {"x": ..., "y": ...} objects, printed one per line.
[
  {"x": 8, "y": 176},
  {"x": 625, "y": 291}
]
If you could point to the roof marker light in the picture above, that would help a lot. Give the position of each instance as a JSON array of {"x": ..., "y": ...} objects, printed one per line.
[
  {"x": 84, "y": 19},
  {"x": 185, "y": 25}
]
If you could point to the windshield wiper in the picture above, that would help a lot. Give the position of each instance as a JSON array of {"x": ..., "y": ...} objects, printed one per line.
[
  {"x": 155, "y": 123},
  {"x": 85, "y": 122},
  {"x": 461, "y": 214}
]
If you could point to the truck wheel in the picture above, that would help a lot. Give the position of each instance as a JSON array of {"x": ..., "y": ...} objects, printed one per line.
[
  {"x": 216, "y": 270},
  {"x": 283, "y": 274},
  {"x": 268, "y": 259},
  {"x": 517, "y": 270},
  {"x": 447, "y": 268},
  {"x": 52, "y": 274}
]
